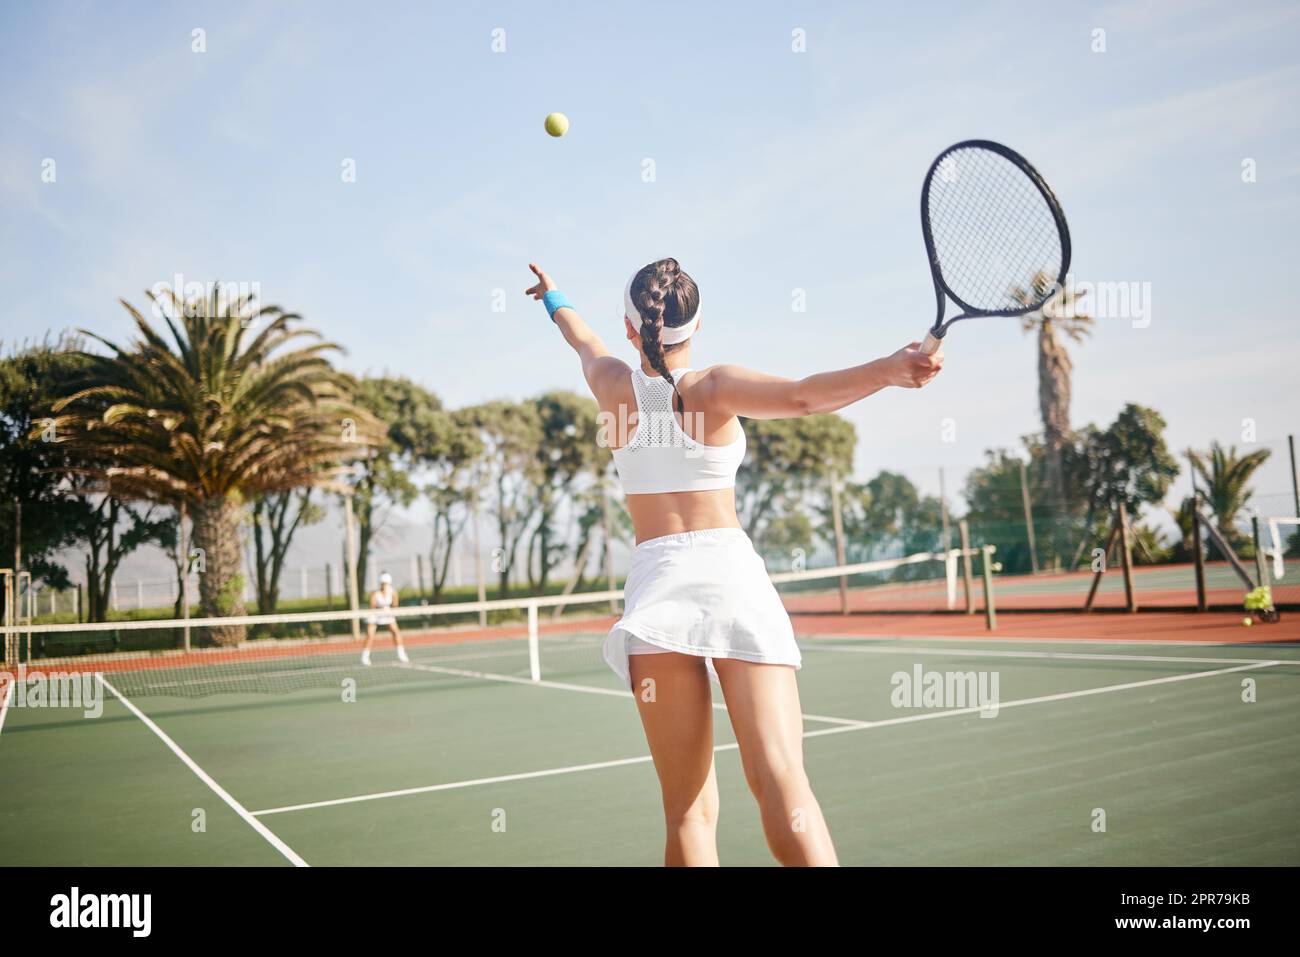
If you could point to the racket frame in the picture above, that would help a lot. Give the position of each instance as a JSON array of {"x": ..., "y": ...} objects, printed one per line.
[{"x": 934, "y": 337}]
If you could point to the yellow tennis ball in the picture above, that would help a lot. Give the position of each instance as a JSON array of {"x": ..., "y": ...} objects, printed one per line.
[
  {"x": 557, "y": 124},
  {"x": 1247, "y": 622}
]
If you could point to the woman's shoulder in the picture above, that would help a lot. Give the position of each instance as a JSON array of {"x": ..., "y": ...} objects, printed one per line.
[{"x": 702, "y": 383}]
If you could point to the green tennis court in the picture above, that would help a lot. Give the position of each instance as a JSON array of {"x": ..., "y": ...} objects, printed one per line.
[{"x": 1099, "y": 753}]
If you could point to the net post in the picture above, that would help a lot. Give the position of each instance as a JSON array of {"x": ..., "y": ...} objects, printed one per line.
[
  {"x": 1279, "y": 543},
  {"x": 1198, "y": 559},
  {"x": 24, "y": 617},
  {"x": 986, "y": 567},
  {"x": 963, "y": 529},
  {"x": 1126, "y": 557},
  {"x": 8, "y": 576},
  {"x": 534, "y": 644},
  {"x": 950, "y": 576}
]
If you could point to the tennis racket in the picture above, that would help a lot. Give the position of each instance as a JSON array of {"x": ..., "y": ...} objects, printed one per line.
[{"x": 994, "y": 232}]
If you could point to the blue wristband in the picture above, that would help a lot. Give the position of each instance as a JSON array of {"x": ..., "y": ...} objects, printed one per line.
[{"x": 554, "y": 301}]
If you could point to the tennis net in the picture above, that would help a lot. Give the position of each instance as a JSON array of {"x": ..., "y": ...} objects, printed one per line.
[{"x": 554, "y": 637}]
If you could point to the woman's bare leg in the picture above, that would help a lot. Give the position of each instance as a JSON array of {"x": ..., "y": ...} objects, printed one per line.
[
  {"x": 397, "y": 640},
  {"x": 763, "y": 703},
  {"x": 676, "y": 705}
]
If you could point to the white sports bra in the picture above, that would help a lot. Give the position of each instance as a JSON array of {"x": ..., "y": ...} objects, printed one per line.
[{"x": 663, "y": 458}]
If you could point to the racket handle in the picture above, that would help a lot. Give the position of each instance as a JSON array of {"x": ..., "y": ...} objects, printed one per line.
[{"x": 931, "y": 345}]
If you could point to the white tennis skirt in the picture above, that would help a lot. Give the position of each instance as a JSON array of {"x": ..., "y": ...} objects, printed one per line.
[{"x": 703, "y": 593}]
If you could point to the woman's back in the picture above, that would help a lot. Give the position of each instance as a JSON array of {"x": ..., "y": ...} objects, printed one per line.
[{"x": 678, "y": 471}]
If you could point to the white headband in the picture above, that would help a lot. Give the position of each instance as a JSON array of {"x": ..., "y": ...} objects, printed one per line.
[{"x": 668, "y": 335}]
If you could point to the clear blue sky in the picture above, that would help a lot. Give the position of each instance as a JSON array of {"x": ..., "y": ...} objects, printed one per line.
[{"x": 775, "y": 171}]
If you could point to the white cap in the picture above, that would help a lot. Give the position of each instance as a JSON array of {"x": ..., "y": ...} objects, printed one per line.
[{"x": 385, "y": 579}]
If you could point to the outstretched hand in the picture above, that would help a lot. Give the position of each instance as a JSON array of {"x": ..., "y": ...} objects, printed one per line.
[
  {"x": 544, "y": 283},
  {"x": 913, "y": 368}
]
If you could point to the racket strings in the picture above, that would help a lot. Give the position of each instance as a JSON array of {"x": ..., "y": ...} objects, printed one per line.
[{"x": 993, "y": 231}]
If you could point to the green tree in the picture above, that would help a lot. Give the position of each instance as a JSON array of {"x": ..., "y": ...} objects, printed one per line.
[
  {"x": 110, "y": 531},
  {"x": 995, "y": 509},
  {"x": 213, "y": 412},
  {"x": 1126, "y": 462},
  {"x": 451, "y": 454},
  {"x": 409, "y": 415},
  {"x": 566, "y": 454},
  {"x": 1183, "y": 550},
  {"x": 1150, "y": 547},
  {"x": 276, "y": 518},
  {"x": 509, "y": 470},
  {"x": 1225, "y": 486},
  {"x": 886, "y": 516},
  {"x": 47, "y": 480},
  {"x": 31, "y": 463},
  {"x": 789, "y": 460},
  {"x": 788, "y": 536},
  {"x": 1130, "y": 461}
]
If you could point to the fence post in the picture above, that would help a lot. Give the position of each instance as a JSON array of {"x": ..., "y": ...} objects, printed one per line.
[
  {"x": 963, "y": 530},
  {"x": 1126, "y": 556},
  {"x": 1029, "y": 520}
]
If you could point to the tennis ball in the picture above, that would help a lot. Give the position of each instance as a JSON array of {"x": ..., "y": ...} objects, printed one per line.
[
  {"x": 557, "y": 124},
  {"x": 1247, "y": 622}
]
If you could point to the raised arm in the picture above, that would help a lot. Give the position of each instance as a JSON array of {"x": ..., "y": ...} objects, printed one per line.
[
  {"x": 600, "y": 369},
  {"x": 757, "y": 395}
]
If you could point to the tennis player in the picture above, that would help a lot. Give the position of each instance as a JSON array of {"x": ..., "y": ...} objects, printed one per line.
[
  {"x": 385, "y": 597},
  {"x": 698, "y": 600}
]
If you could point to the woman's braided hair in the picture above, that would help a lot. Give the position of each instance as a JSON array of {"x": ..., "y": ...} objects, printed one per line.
[{"x": 665, "y": 296}]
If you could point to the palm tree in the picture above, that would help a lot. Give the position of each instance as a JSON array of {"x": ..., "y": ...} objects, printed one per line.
[
  {"x": 211, "y": 418},
  {"x": 1060, "y": 315},
  {"x": 1226, "y": 476}
]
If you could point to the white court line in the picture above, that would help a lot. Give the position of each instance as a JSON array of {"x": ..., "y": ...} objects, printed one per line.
[
  {"x": 207, "y": 779},
  {"x": 1059, "y": 696},
  {"x": 849, "y": 726},
  {"x": 1060, "y": 655},
  {"x": 429, "y": 788}
]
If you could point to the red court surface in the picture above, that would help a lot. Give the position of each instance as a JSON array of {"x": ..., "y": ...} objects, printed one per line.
[{"x": 1217, "y": 627}]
